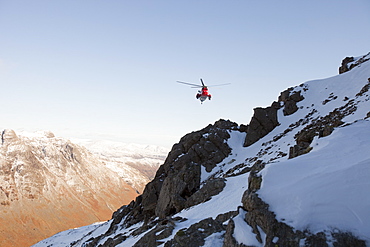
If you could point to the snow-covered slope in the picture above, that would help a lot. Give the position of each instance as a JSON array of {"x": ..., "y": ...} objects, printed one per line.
[
  {"x": 328, "y": 189},
  {"x": 306, "y": 182}
]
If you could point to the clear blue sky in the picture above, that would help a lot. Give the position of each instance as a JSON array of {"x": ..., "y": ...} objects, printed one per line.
[{"x": 108, "y": 69}]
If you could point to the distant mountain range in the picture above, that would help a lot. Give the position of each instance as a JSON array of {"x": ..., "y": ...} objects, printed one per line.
[
  {"x": 49, "y": 184},
  {"x": 135, "y": 163},
  {"x": 297, "y": 175}
]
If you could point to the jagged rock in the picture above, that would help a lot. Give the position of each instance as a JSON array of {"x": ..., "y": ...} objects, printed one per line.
[
  {"x": 207, "y": 148},
  {"x": 352, "y": 63},
  {"x": 154, "y": 237},
  {"x": 344, "y": 66},
  {"x": 178, "y": 179},
  {"x": 290, "y": 101},
  {"x": 318, "y": 240},
  {"x": 194, "y": 235},
  {"x": 364, "y": 89},
  {"x": 209, "y": 189},
  {"x": 259, "y": 215},
  {"x": 263, "y": 121},
  {"x": 255, "y": 180},
  {"x": 298, "y": 150},
  {"x": 176, "y": 189},
  {"x": 344, "y": 239},
  {"x": 243, "y": 128},
  {"x": 290, "y": 107},
  {"x": 303, "y": 139},
  {"x": 226, "y": 216}
]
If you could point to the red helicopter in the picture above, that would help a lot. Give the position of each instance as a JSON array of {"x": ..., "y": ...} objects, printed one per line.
[{"x": 202, "y": 94}]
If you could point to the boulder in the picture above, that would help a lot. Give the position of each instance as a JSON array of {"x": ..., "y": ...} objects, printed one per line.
[
  {"x": 290, "y": 99},
  {"x": 263, "y": 121}
]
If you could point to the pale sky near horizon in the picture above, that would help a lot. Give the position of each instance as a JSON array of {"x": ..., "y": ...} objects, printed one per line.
[{"x": 108, "y": 69}]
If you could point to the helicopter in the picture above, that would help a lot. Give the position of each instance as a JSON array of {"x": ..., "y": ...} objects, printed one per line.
[{"x": 202, "y": 94}]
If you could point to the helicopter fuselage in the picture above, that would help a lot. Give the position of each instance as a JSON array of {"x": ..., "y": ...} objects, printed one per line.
[{"x": 203, "y": 94}]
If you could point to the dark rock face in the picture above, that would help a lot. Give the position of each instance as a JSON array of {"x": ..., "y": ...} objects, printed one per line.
[
  {"x": 344, "y": 66},
  {"x": 229, "y": 239},
  {"x": 153, "y": 238},
  {"x": 209, "y": 189},
  {"x": 259, "y": 216},
  {"x": 181, "y": 172},
  {"x": 349, "y": 63},
  {"x": 290, "y": 101},
  {"x": 263, "y": 121},
  {"x": 194, "y": 235}
]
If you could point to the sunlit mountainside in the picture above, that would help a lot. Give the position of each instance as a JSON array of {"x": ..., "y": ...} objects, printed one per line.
[{"x": 49, "y": 184}]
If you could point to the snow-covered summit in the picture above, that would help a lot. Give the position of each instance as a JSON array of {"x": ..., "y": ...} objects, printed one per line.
[
  {"x": 135, "y": 163},
  {"x": 301, "y": 179},
  {"x": 126, "y": 149}
]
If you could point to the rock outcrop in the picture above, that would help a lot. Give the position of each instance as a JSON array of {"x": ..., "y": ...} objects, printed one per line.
[
  {"x": 177, "y": 182},
  {"x": 263, "y": 121},
  {"x": 289, "y": 99},
  {"x": 350, "y": 62}
]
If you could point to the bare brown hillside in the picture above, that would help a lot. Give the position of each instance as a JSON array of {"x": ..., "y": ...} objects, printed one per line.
[{"x": 48, "y": 185}]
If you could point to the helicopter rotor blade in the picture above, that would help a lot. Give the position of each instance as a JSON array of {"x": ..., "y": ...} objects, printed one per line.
[
  {"x": 201, "y": 80},
  {"x": 220, "y": 85},
  {"x": 190, "y": 84},
  {"x": 203, "y": 85}
]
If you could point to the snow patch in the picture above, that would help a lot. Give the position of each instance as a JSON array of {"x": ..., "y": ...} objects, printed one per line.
[
  {"x": 243, "y": 233},
  {"x": 326, "y": 190}
]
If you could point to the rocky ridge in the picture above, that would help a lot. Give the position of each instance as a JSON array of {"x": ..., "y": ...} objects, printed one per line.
[{"x": 220, "y": 167}]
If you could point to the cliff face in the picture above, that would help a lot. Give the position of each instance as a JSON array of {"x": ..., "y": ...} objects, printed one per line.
[
  {"x": 296, "y": 175},
  {"x": 48, "y": 184}
]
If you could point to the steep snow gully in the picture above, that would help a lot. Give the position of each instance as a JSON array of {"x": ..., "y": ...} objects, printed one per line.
[{"x": 297, "y": 175}]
